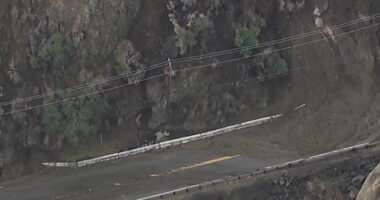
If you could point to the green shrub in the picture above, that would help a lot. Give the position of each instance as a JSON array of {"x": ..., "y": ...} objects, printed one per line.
[
  {"x": 279, "y": 67},
  {"x": 247, "y": 37},
  {"x": 76, "y": 120},
  {"x": 90, "y": 116},
  {"x": 52, "y": 119},
  {"x": 186, "y": 39},
  {"x": 53, "y": 53}
]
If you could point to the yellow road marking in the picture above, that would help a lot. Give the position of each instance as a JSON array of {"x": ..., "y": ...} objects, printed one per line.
[
  {"x": 209, "y": 162},
  {"x": 117, "y": 184},
  {"x": 155, "y": 175}
]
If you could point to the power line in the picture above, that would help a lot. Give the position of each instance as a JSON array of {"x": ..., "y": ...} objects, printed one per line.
[
  {"x": 277, "y": 50},
  {"x": 270, "y": 43},
  {"x": 147, "y": 104},
  {"x": 181, "y": 60},
  {"x": 80, "y": 96},
  {"x": 271, "y": 76},
  {"x": 186, "y": 69},
  {"x": 78, "y": 87}
]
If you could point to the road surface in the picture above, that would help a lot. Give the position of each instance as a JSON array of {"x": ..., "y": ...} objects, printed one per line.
[{"x": 152, "y": 173}]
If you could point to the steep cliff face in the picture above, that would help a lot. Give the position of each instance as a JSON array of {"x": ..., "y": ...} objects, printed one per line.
[{"x": 52, "y": 45}]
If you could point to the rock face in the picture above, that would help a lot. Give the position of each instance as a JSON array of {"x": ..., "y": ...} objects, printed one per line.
[
  {"x": 55, "y": 44},
  {"x": 371, "y": 186}
]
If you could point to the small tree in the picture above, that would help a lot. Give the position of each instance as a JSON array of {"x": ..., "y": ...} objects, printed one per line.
[
  {"x": 76, "y": 120},
  {"x": 90, "y": 116},
  {"x": 53, "y": 53},
  {"x": 247, "y": 38},
  {"x": 52, "y": 119},
  {"x": 279, "y": 67}
]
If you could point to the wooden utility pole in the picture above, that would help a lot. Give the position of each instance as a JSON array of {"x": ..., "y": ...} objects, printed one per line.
[{"x": 169, "y": 73}]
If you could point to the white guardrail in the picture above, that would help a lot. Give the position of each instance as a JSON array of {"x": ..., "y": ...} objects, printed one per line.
[
  {"x": 163, "y": 145},
  {"x": 199, "y": 187}
]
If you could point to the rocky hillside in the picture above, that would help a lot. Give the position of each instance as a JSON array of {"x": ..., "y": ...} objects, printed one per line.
[{"x": 49, "y": 46}]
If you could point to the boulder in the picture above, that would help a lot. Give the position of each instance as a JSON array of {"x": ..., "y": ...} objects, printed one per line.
[
  {"x": 371, "y": 187},
  {"x": 319, "y": 22}
]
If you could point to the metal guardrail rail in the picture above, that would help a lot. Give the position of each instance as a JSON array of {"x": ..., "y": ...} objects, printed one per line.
[
  {"x": 291, "y": 164},
  {"x": 163, "y": 145}
]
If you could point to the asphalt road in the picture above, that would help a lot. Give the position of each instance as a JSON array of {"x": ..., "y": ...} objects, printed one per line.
[{"x": 153, "y": 173}]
